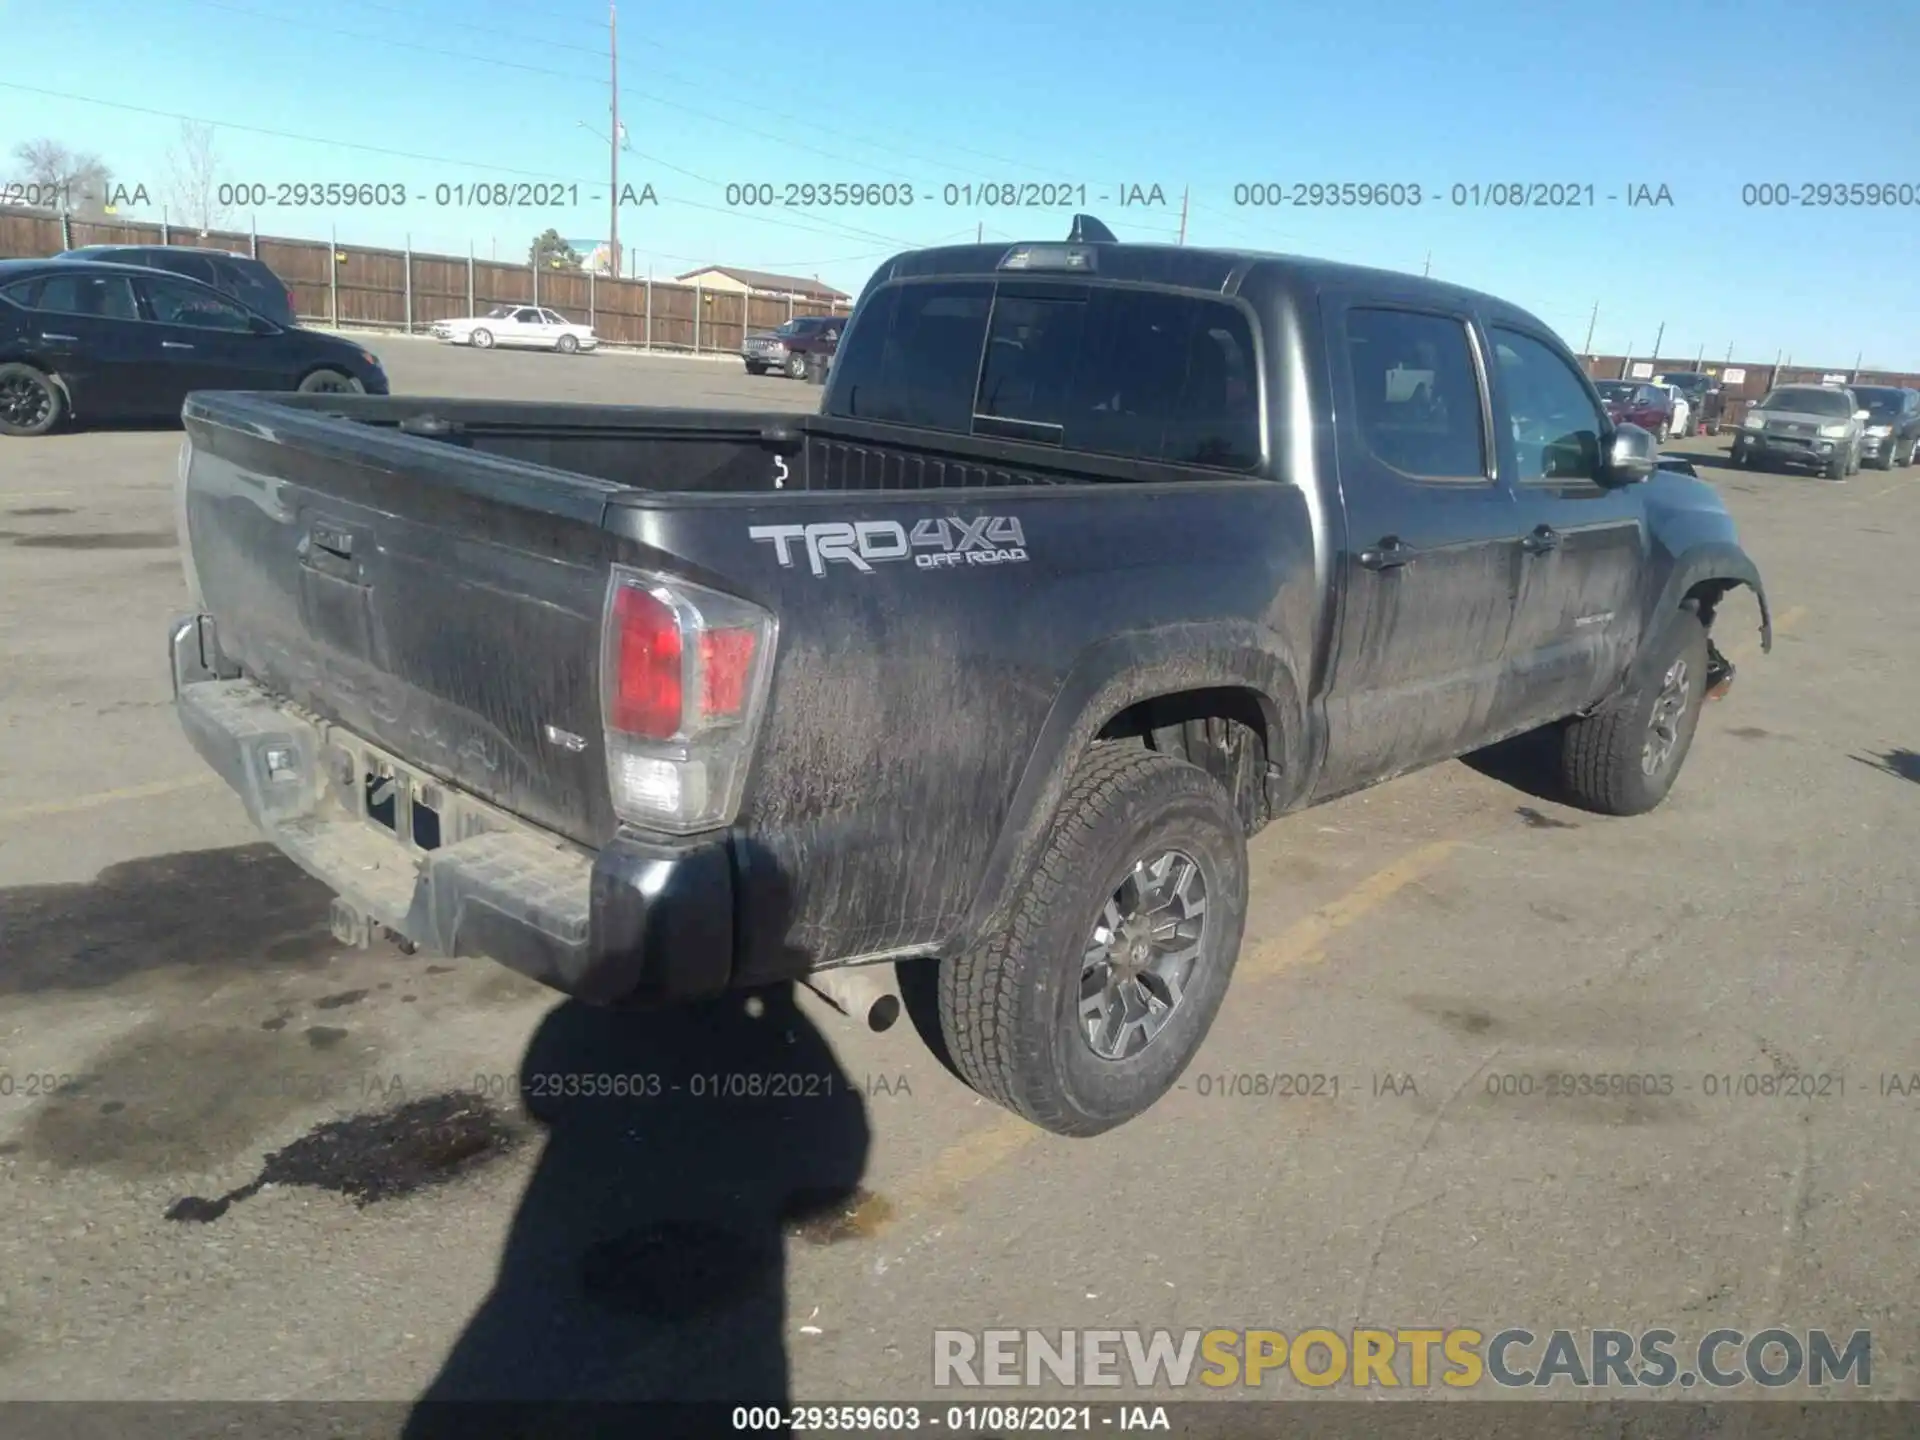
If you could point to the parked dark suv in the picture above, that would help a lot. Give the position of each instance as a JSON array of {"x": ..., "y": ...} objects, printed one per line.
[
  {"x": 1893, "y": 425},
  {"x": 247, "y": 280},
  {"x": 788, "y": 347}
]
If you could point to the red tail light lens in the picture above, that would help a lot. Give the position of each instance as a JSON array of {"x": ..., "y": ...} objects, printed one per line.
[
  {"x": 646, "y": 698},
  {"x": 726, "y": 667}
]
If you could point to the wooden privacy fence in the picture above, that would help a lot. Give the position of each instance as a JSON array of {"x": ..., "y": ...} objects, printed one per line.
[{"x": 403, "y": 290}]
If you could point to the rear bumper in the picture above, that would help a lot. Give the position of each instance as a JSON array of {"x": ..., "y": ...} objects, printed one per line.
[{"x": 635, "y": 922}]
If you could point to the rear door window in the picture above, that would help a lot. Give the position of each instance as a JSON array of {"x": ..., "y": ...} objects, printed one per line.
[
  {"x": 107, "y": 297},
  {"x": 198, "y": 267},
  {"x": 1134, "y": 373},
  {"x": 915, "y": 356}
]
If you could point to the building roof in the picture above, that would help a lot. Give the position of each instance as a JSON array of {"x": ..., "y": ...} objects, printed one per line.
[{"x": 767, "y": 280}]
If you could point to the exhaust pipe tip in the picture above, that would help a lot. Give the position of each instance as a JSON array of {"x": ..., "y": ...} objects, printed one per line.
[{"x": 858, "y": 994}]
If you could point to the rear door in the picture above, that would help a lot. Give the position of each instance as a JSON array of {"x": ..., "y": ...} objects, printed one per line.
[
  {"x": 1584, "y": 547},
  {"x": 88, "y": 325},
  {"x": 1430, "y": 576}
]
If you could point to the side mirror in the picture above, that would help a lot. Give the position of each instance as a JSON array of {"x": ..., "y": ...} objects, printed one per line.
[
  {"x": 1632, "y": 454},
  {"x": 1863, "y": 414}
]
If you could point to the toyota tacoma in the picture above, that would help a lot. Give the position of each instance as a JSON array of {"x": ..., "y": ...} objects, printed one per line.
[{"x": 1096, "y": 559}]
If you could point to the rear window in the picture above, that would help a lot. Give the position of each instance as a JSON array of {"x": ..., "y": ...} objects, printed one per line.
[{"x": 1105, "y": 370}]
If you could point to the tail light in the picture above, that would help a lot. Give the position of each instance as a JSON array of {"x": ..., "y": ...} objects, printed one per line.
[{"x": 683, "y": 678}]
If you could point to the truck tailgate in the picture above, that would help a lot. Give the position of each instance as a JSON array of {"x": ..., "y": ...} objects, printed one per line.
[{"x": 443, "y": 604}]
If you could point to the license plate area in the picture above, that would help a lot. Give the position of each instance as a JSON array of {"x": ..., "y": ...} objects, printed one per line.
[{"x": 406, "y": 804}]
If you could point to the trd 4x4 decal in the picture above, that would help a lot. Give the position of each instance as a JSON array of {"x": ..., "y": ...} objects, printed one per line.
[{"x": 934, "y": 543}]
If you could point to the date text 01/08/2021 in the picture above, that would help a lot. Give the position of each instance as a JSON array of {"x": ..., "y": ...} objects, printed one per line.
[
  {"x": 394, "y": 194},
  {"x": 1490, "y": 195}
]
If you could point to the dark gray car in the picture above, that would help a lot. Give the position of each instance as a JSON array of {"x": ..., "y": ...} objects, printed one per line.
[{"x": 1821, "y": 426}]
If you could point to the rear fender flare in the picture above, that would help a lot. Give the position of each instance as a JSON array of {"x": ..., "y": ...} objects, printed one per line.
[{"x": 1107, "y": 678}]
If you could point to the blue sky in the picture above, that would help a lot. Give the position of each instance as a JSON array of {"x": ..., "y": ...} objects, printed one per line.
[{"x": 1701, "y": 97}]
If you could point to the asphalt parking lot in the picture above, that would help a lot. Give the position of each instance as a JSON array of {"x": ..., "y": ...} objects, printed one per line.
[{"x": 176, "y": 1023}]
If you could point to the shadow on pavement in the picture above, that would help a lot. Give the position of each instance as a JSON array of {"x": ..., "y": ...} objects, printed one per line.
[
  {"x": 1901, "y": 764},
  {"x": 646, "y": 1261}
]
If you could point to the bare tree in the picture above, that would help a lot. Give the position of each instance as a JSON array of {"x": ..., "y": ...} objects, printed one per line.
[
  {"x": 193, "y": 178},
  {"x": 67, "y": 180}
]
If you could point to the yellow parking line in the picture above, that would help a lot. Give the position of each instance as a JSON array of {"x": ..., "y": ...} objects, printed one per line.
[
  {"x": 1896, "y": 485},
  {"x": 938, "y": 1184},
  {"x": 106, "y": 797},
  {"x": 1303, "y": 941},
  {"x": 1783, "y": 624}
]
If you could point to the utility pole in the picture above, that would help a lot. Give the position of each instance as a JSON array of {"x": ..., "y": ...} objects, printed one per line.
[
  {"x": 1592, "y": 320},
  {"x": 1858, "y": 357},
  {"x": 979, "y": 231},
  {"x": 613, "y": 138},
  {"x": 1426, "y": 265},
  {"x": 1655, "y": 357},
  {"x": 1183, "y": 215},
  {"x": 1701, "y": 357}
]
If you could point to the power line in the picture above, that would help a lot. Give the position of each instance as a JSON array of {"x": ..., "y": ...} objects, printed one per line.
[
  {"x": 839, "y": 232},
  {"x": 809, "y": 122}
]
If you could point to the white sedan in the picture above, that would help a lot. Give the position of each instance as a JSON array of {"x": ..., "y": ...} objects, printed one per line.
[{"x": 527, "y": 327}]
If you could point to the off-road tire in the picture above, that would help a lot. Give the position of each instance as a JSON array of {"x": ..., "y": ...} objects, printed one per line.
[
  {"x": 1600, "y": 755},
  {"x": 1009, "y": 1008}
]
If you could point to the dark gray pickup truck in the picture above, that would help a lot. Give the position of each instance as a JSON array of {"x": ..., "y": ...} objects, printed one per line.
[{"x": 1097, "y": 558}]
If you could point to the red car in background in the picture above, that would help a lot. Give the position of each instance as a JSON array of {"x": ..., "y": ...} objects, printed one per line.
[{"x": 1634, "y": 402}]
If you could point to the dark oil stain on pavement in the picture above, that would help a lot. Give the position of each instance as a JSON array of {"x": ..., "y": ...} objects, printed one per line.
[
  {"x": 127, "y": 540},
  {"x": 1749, "y": 732},
  {"x": 377, "y": 1156},
  {"x": 166, "y": 1098},
  {"x": 212, "y": 910},
  {"x": 345, "y": 997},
  {"x": 1536, "y": 820},
  {"x": 820, "y": 1217},
  {"x": 26, "y": 510},
  {"x": 324, "y": 1037},
  {"x": 277, "y": 1022}
]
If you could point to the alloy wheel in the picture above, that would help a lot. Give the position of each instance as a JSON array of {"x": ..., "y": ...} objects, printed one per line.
[
  {"x": 25, "y": 401},
  {"x": 1669, "y": 709},
  {"x": 1141, "y": 954}
]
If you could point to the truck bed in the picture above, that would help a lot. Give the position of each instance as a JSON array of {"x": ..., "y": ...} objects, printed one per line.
[{"x": 432, "y": 576}]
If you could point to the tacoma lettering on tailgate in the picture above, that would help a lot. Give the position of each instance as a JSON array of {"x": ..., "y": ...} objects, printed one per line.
[{"x": 933, "y": 544}]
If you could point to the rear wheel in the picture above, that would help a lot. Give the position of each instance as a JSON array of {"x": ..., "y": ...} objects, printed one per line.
[
  {"x": 481, "y": 339},
  {"x": 567, "y": 344},
  {"x": 331, "y": 382},
  {"x": 30, "y": 403},
  {"x": 1086, "y": 1004},
  {"x": 1624, "y": 758}
]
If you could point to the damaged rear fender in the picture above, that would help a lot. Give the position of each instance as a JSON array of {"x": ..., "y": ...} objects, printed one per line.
[{"x": 1107, "y": 679}]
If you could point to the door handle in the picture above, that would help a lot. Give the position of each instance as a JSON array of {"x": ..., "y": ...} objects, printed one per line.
[
  {"x": 1541, "y": 541},
  {"x": 1388, "y": 555},
  {"x": 175, "y": 345},
  {"x": 70, "y": 339}
]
